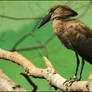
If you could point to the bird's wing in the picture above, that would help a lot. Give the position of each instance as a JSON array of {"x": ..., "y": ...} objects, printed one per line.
[
  {"x": 82, "y": 41},
  {"x": 84, "y": 29}
]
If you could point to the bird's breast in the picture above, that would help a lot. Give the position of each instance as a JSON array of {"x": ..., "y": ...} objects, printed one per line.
[
  {"x": 58, "y": 27},
  {"x": 61, "y": 31}
]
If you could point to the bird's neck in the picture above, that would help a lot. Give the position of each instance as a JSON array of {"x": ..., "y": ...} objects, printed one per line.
[
  {"x": 58, "y": 22},
  {"x": 59, "y": 25}
]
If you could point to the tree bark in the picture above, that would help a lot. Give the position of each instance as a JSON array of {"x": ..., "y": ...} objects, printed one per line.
[{"x": 7, "y": 84}]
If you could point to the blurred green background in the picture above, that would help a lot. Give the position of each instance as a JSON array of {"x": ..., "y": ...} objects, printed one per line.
[{"x": 12, "y": 30}]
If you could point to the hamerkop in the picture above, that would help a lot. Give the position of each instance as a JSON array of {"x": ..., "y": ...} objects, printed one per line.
[{"x": 74, "y": 34}]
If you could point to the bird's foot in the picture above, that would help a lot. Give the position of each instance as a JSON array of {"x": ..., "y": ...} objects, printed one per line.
[{"x": 71, "y": 81}]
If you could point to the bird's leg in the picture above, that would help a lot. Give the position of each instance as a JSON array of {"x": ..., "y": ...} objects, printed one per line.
[
  {"x": 82, "y": 66},
  {"x": 75, "y": 76},
  {"x": 78, "y": 62}
]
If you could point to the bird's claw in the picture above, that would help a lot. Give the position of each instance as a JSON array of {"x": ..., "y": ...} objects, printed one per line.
[{"x": 70, "y": 82}]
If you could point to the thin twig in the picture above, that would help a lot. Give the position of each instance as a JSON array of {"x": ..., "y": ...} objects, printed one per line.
[
  {"x": 28, "y": 48},
  {"x": 86, "y": 10},
  {"x": 25, "y": 36},
  {"x": 46, "y": 51},
  {"x": 30, "y": 82},
  {"x": 20, "y": 40},
  {"x": 50, "y": 38},
  {"x": 14, "y": 18},
  {"x": 42, "y": 45}
]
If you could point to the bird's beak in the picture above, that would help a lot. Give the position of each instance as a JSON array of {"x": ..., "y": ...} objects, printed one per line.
[{"x": 45, "y": 20}]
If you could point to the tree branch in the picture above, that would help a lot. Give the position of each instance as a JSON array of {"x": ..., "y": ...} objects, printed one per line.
[
  {"x": 8, "y": 85},
  {"x": 49, "y": 73}
]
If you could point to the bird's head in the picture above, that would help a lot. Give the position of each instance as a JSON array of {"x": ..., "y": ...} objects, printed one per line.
[{"x": 58, "y": 11}]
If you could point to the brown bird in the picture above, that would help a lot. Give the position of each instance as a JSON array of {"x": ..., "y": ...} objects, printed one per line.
[{"x": 74, "y": 34}]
